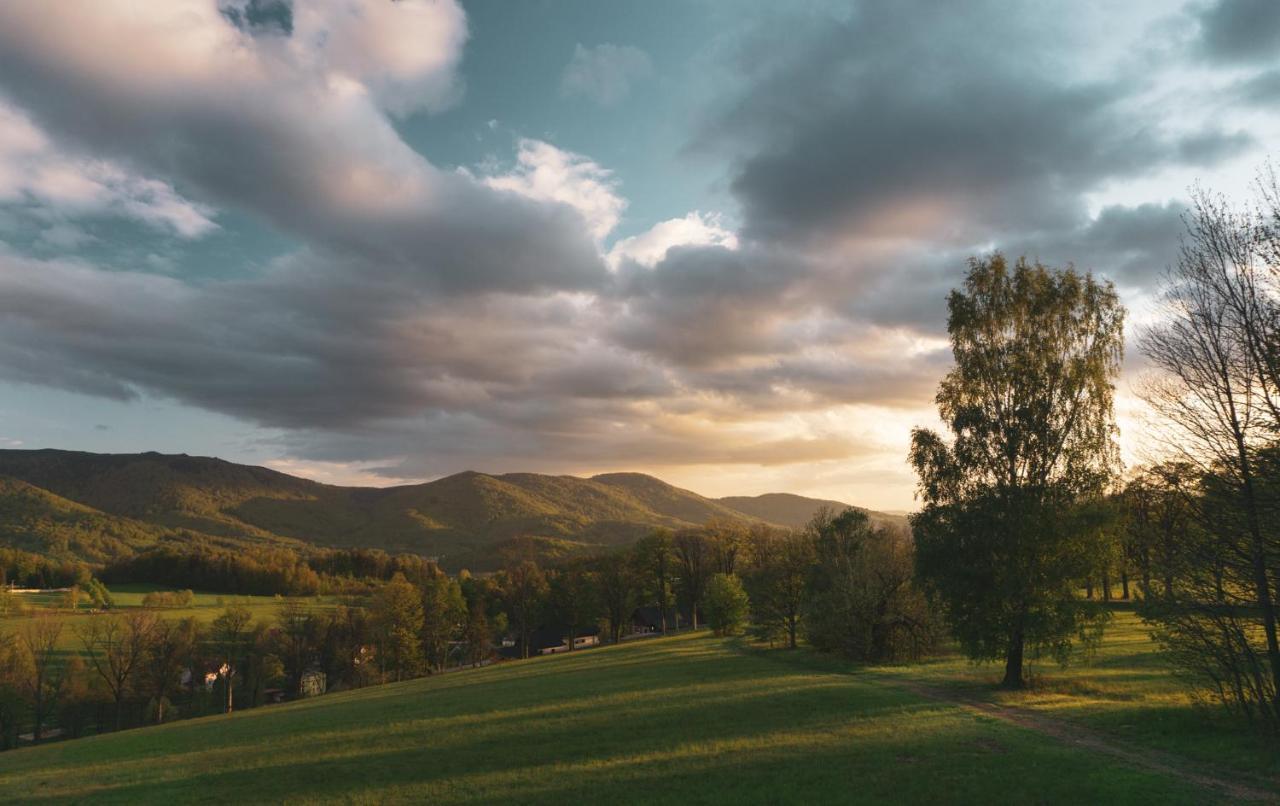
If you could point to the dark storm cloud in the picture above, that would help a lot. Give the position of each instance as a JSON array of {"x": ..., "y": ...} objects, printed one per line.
[
  {"x": 1262, "y": 90},
  {"x": 1240, "y": 30},
  {"x": 894, "y": 122}
]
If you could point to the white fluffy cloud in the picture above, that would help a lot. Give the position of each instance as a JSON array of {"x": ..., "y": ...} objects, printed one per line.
[
  {"x": 405, "y": 53},
  {"x": 694, "y": 229},
  {"x": 546, "y": 173}
]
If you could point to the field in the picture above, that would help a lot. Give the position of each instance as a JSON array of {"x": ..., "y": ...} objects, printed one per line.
[
  {"x": 205, "y": 608},
  {"x": 685, "y": 719}
]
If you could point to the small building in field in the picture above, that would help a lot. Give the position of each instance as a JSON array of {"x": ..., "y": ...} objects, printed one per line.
[
  {"x": 313, "y": 682},
  {"x": 648, "y": 620}
]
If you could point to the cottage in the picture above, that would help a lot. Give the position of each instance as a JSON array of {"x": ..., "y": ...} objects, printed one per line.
[
  {"x": 313, "y": 682},
  {"x": 648, "y": 620}
]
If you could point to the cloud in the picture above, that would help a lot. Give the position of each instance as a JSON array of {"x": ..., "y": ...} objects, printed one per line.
[
  {"x": 546, "y": 173},
  {"x": 859, "y": 131},
  {"x": 1262, "y": 89},
  {"x": 35, "y": 172},
  {"x": 293, "y": 130},
  {"x": 604, "y": 73},
  {"x": 694, "y": 229},
  {"x": 1240, "y": 30},
  {"x": 425, "y": 318}
]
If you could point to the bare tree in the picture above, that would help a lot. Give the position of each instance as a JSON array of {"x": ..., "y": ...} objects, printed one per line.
[
  {"x": 1214, "y": 351},
  {"x": 40, "y": 675},
  {"x": 116, "y": 646}
]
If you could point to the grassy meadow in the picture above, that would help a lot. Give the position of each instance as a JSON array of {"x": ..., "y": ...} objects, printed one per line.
[
  {"x": 1126, "y": 690},
  {"x": 205, "y": 607},
  {"x": 690, "y": 718}
]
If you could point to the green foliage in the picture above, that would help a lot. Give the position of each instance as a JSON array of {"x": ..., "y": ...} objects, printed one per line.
[
  {"x": 444, "y": 613},
  {"x": 396, "y": 615},
  {"x": 726, "y": 604},
  {"x": 863, "y": 602},
  {"x": 779, "y": 582},
  {"x": 1006, "y": 534},
  {"x": 168, "y": 599}
]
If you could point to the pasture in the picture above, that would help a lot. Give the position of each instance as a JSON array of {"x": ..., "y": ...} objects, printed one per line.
[{"x": 683, "y": 719}]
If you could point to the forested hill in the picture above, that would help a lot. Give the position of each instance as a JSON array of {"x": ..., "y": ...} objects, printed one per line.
[
  {"x": 96, "y": 507},
  {"x": 796, "y": 511}
]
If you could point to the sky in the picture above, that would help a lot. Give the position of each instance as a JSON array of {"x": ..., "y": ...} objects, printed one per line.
[{"x": 377, "y": 242}]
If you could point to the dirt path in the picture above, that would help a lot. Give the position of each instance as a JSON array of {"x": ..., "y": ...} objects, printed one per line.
[{"x": 1225, "y": 784}]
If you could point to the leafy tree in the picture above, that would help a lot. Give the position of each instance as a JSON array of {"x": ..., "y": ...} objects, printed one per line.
[
  {"x": 173, "y": 648},
  {"x": 619, "y": 583},
  {"x": 99, "y": 595},
  {"x": 725, "y": 604},
  {"x": 396, "y": 612},
  {"x": 863, "y": 602},
  {"x": 79, "y": 700},
  {"x": 654, "y": 554},
  {"x": 347, "y": 636},
  {"x": 573, "y": 598},
  {"x": 725, "y": 542},
  {"x": 778, "y": 580},
  {"x": 443, "y": 613},
  {"x": 1003, "y": 539},
  {"x": 262, "y": 666},
  {"x": 524, "y": 590},
  {"x": 298, "y": 640},
  {"x": 12, "y": 685},
  {"x": 11, "y": 605},
  {"x": 476, "y": 635},
  {"x": 693, "y": 552}
]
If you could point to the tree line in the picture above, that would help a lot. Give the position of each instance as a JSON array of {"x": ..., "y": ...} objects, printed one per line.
[{"x": 843, "y": 584}]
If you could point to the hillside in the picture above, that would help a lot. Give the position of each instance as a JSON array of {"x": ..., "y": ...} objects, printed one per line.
[
  {"x": 38, "y": 521},
  {"x": 686, "y": 719},
  {"x": 796, "y": 511},
  {"x": 121, "y": 503}
]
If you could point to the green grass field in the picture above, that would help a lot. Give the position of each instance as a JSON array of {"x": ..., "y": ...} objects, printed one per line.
[
  {"x": 683, "y": 719},
  {"x": 205, "y": 608}
]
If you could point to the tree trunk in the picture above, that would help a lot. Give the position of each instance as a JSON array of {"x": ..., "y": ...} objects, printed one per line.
[
  {"x": 1146, "y": 575},
  {"x": 1264, "y": 598},
  {"x": 1013, "y": 662},
  {"x": 791, "y": 632},
  {"x": 1106, "y": 587},
  {"x": 1088, "y": 588},
  {"x": 1124, "y": 585}
]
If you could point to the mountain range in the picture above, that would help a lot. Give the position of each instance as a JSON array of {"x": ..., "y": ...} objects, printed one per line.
[{"x": 97, "y": 507}]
